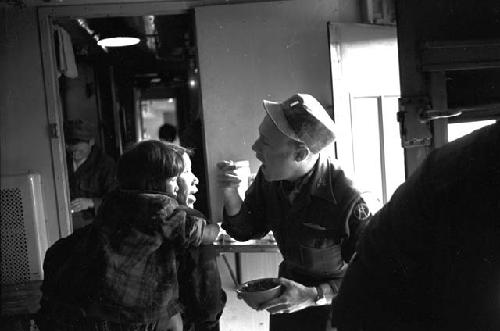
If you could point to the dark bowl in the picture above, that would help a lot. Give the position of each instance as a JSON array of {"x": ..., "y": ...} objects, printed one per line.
[{"x": 256, "y": 292}]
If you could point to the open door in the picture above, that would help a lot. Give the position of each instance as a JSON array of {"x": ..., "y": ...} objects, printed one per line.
[{"x": 365, "y": 81}]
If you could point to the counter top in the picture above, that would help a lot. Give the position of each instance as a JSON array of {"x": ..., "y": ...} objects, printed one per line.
[{"x": 250, "y": 246}]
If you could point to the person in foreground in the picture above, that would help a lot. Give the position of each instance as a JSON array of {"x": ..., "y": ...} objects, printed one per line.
[
  {"x": 200, "y": 287},
  {"x": 430, "y": 258},
  {"x": 305, "y": 199},
  {"x": 120, "y": 272}
]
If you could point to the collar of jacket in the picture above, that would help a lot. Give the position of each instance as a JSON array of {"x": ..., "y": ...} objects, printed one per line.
[
  {"x": 137, "y": 208},
  {"x": 324, "y": 179}
]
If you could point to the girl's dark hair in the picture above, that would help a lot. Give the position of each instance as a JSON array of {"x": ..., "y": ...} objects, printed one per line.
[{"x": 147, "y": 165}]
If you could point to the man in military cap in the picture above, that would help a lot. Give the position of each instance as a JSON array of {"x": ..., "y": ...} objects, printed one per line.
[
  {"x": 91, "y": 172},
  {"x": 306, "y": 200}
]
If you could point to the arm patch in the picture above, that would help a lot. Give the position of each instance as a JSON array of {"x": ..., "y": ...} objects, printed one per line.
[{"x": 361, "y": 211}]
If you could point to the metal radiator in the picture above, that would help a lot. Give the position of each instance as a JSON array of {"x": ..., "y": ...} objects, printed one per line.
[{"x": 23, "y": 232}]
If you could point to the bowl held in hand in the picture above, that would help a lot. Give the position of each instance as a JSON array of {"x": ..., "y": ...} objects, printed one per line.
[{"x": 258, "y": 291}]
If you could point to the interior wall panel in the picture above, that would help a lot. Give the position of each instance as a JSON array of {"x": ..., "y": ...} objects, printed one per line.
[
  {"x": 24, "y": 140},
  {"x": 252, "y": 52}
]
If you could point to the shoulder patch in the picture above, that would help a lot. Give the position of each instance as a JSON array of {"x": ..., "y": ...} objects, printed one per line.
[{"x": 361, "y": 211}]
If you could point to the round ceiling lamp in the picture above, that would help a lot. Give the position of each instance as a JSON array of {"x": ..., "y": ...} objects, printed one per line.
[{"x": 118, "y": 41}]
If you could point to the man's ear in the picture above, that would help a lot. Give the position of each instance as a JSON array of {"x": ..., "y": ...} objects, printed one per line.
[
  {"x": 301, "y": 153},
  {"x": 92, "y": 142}
]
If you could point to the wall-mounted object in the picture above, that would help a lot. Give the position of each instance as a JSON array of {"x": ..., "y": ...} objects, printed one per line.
[
  {"x": 379, "y": 12},
  {"x": 23, "y": 231}
]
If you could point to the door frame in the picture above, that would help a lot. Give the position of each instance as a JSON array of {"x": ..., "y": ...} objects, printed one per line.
[{"x": 46, "y": 16}]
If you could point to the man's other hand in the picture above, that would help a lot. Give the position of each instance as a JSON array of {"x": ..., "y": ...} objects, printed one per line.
[
  {"x": 295, "y": 297},
  {"x": 80, "y": 204}
]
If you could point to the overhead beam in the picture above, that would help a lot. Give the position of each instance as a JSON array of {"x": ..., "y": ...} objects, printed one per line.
[{"x": 189, "y": 3}]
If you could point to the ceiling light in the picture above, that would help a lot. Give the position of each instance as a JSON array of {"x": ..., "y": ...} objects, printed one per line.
[{"x": 118, "y": 42}]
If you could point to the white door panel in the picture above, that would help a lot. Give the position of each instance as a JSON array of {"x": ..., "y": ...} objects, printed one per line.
[{"x": 365, "y": 81}]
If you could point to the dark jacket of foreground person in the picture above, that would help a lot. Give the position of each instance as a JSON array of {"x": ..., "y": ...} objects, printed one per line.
[
  {"x": 120, "y": 272},
  {"x": 430, "y": 259}
]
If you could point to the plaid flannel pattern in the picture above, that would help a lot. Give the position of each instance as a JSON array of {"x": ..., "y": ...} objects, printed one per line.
[{"x": 141, "y": 234}]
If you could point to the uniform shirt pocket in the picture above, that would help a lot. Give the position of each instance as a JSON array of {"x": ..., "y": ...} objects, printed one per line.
[
  {"x": 324, "y": 261},
  {"x": 320, "y": 251}
]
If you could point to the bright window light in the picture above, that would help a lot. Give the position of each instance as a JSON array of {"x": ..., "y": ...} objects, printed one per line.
[
  {"x": 118, "y": 42},
  {"x": 458, "y": 130}
]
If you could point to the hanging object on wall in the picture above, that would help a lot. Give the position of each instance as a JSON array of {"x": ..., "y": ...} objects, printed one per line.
[
  {"x": 64, "y": 56},
  {"x": 379, "y": 11}
]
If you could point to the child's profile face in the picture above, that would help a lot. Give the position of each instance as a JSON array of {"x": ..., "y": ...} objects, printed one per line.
[
  {"x": 171, "y": 187},
  {"x": 187, "y": 182}
]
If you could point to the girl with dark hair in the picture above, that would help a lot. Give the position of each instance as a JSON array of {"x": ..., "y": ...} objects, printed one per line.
[
  {"x": 120, "y": 272},
  {"x": 151, "y": 166}
]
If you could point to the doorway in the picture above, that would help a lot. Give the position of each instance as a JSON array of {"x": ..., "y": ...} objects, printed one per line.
[
  {"x": 127, "y": 93},
  {"x": 365, "y": 103}
]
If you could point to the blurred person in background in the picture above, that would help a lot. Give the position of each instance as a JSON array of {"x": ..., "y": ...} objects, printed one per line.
[
  {"x": 167, "y": 132},
  {"x": 91, "y": 172}
]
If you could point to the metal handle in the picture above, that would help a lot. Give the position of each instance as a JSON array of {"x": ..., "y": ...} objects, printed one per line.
[{"x": 434, "y": 114}]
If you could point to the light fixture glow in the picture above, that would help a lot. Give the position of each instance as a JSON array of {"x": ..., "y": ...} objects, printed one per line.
[
  {"x": 192, "y": 83},
  {"x": 118, "y": 42}
]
